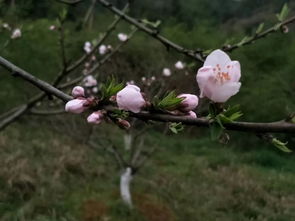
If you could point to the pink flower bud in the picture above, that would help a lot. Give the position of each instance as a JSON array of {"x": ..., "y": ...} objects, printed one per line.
[
  {"x": 219, "y": 78},
  {"x": 76, "y": 106},
  {"x": 78, "y": 91},
  {"x": 90, "y": 81},
  {"x": 95, "y": 117},
  {"x": 189, "y": 102},
  {"x": 192, "y": 114},
  {"x": 124, "y": 124},
  {"x": 130, "y": 98}
]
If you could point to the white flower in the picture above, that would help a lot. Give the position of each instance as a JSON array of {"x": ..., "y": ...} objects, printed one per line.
[
  {"x": 166, "y": 72},
  {"x": 52, "y": 27},
  {"x": 179, "y": 65},
  {"x": 122, "y": 37},
  {"x": 87, "y": 47},
  {"x": 6, "y": 26},
  {"x": 89, "y": 81},
  {"x": 16, "y": 33},
  {"x": 102, "y": 49}
]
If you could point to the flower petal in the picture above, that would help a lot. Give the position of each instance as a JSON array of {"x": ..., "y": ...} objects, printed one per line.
[
  {"x": 221, "y": 93},
  {"x": 203, "y": 75},
  {"x": 235, "y": 71},
  {"x": 217, "y": 57}
]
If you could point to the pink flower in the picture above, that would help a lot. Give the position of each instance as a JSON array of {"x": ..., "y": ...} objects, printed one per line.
[
  {"x": 76, "y": 106},
  {"x": 122, "y": 37},
  {"x": 102, "y": 49},
  {"x": 16, "y": 33},
  {"x": 78, "y": 91},
  {"x": 219, "y": 78},
  {"x": 90, "y": 81},
  {"x": 52, "y": 27},
  {"x": 95, "y": 117},
  {"x": 87, "y": 47},
  {"x": 130, "y": 98},
  {"x": 192, "y": 114},
  {"x": 190, "y": 102},
  {"x": 166, "y": 72},
  {"x": 179, "y": 65}
]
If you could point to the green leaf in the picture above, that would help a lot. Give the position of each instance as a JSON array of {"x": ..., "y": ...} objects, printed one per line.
[
  {"x": 223, "y": 119},
  {"x": 63, "y": 14},
  {"x": 282, "y": 146},
  {"x": 243, "y": 41},
  {"x": 284, "y": 13},
  {"x": 151, "y": 24},
  {"x": 111, "y": 88},
  {"x": 215, "y": 131},
  {"x": 212, "y": 110},
  {"x": 293, "y": 120},
  {"x": 233, "y": 113},
  {"x": 169, "y": 102},
  {"x": 207, "y": 51},
  {"x": 176, "y": 127},
  {"x": 259, "y": 29},
  {"x": 120, "y": 114}
]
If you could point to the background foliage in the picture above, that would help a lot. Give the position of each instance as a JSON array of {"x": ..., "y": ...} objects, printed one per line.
[{"x": 48, "y": 173}]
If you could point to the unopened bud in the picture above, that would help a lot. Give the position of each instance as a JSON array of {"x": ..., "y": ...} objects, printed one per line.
[
  {"x": 124, "y": 124},
  {"x": 285, "y": 29}
]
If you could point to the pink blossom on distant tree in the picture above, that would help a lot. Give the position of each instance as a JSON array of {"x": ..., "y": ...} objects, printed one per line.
[
  {"x": 16, "y": 33},
  {"x": 122, "y": 37},
  {"x": 87, "y": 47},
  {"x": 89, "y": 81},
  {"x": 179, "y": 65},
  {"x": 166, "y": 72},
  {"x": 102, "y": 49}
]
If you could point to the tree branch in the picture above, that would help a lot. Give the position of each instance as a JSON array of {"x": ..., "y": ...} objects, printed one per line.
[
  {"x": 153, "y": 33},
  {"x": 58, "y": 79},
  {"x": 98, "y": 65},
  {"x": 70, "y": 2},
  {"x": 272, "y": 127},
  {"x": 263, "y": 34}
]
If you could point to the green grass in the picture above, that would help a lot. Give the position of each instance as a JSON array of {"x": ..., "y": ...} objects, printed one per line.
[{"x": 50, "y": 175}]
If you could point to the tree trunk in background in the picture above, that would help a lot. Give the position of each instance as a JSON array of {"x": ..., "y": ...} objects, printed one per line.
[
  {"x": 127, "y": 141},
  {"x": 125, "y": 180}
]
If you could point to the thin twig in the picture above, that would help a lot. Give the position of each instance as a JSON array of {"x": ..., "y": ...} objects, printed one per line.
[
  {"x": 272, "y": 127},
  {"x": 59, "y": 77},
  {"x": 70, "y": 2},
  {"x": 274, "y": 29},
  {"x": 152, "y": 32}
]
